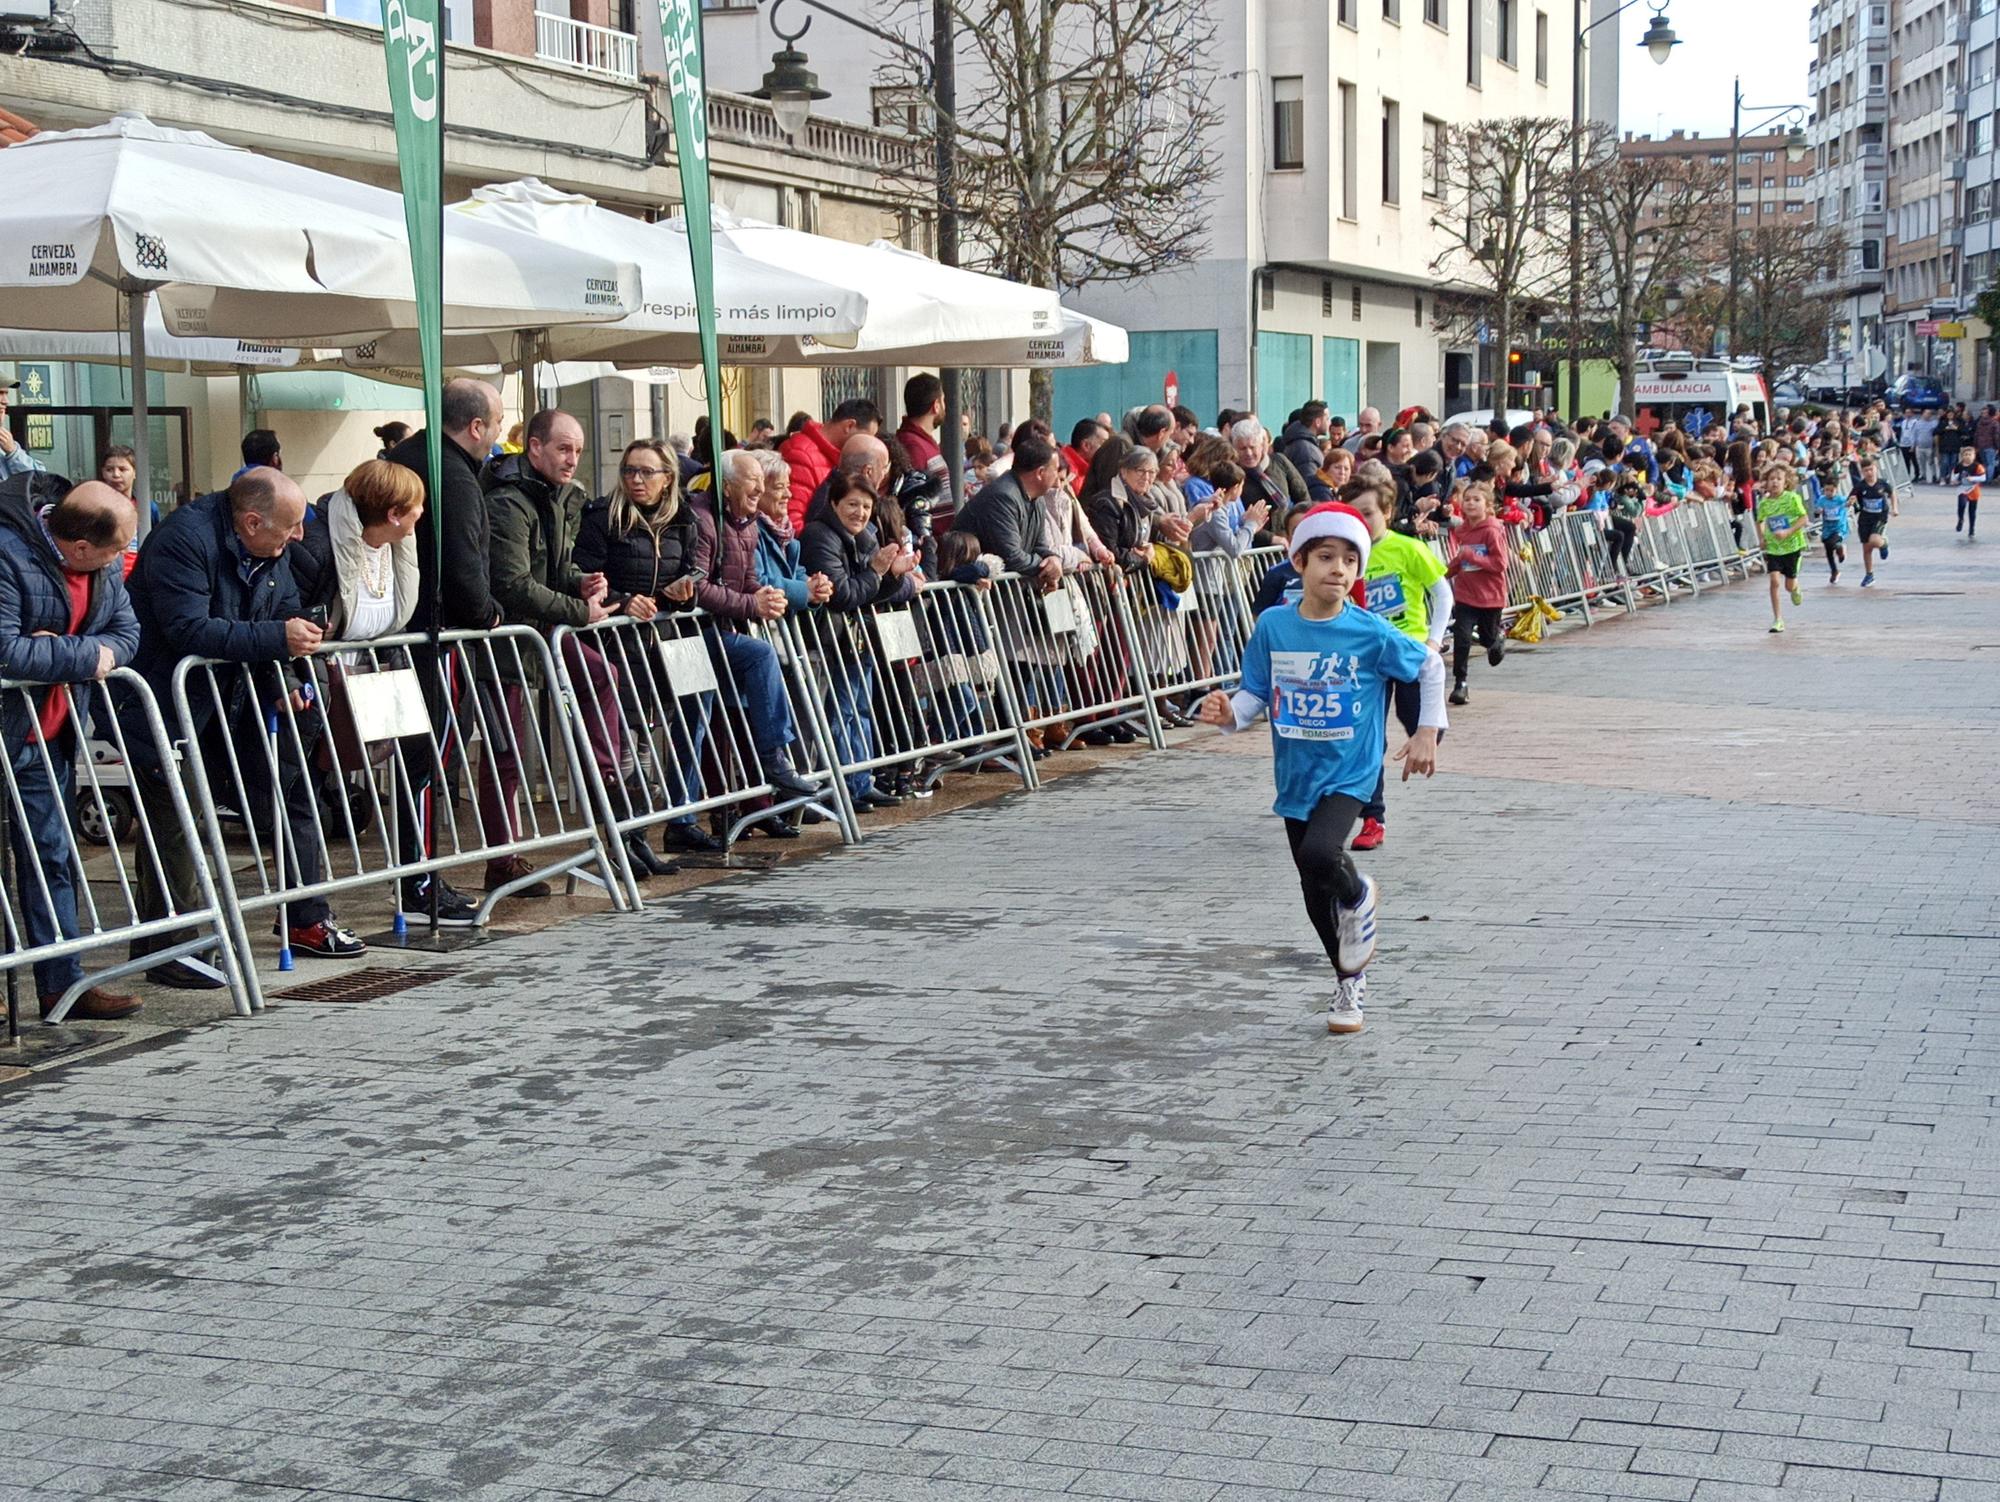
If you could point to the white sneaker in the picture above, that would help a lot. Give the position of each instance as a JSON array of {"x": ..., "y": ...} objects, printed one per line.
[
  {"x": 1357, "y": 930},
  {"x": 1343, "y": 1013}
]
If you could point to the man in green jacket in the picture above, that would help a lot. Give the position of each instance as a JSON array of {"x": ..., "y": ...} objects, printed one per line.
[{"x": 533, "y": 507}]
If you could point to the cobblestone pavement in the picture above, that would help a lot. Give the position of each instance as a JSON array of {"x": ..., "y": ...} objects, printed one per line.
[{"x": 1011, "y": 1159}]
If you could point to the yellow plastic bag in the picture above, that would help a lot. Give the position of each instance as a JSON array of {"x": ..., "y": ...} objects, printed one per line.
[{"x": 1528, "y": 627}]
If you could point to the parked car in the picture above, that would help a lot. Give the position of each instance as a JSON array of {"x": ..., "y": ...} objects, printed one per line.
[{"x": 1917, "y": 391}]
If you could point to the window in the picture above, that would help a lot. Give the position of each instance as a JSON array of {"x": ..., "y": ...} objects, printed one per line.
[
  {"x": 1878, "y": 74},
  {"x": 1472, "y": 53},
  {"x": 1743, "y": 211},
  {"x": 1326, "y": 297},
  {"x": 1878, "y": 20},
  {"x": 1417, "y": 306},
  {"x": 1795, "y": 180},
  {"x": 1978, "y": 135},
  {"x": 1746, "y": 182},
  {"x": 1343, "y": 12},
  {"x": 1541, "y": 46},
  {"x": 1979, "y": 204},
  {"x": 1716, "y": 159},
  {"x": 1770, "y": 156},
  {"x": 1392, "y": 164},
  {"x": 1288, "y": 123},
  {"x": 1350, "y": 152},
  {"x": 1871, "y": 198},
  {"x": 1354, "y": 307},
  {"x": 1503, "y": 46},
  {"x": 1392, "y": 10},
  {"x": 1434, "y": 12},
  {"x": 457, "y": 15},
  {"x": 1795, "y": 206},
  {"x": 897, "y": 108},
  {"x": 1433, "y": 158}
]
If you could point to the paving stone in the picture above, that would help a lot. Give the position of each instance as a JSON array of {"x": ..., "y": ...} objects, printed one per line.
[{"x": 1008, "y": 1158}]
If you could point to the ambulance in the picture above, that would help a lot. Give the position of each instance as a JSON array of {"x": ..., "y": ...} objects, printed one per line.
[{"x": 1697, "y": 394}]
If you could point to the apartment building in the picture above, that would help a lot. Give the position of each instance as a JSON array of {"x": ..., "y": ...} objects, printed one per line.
[
  {"x": 1927, "y": 113},
  {"x": 1771, "y": 190},
  {"x": 542, "y": 88},
  {"x": 1317, "y": 279},
  {"x": 1849, "y": 82},
  {"x": 1979, "y": 253}
]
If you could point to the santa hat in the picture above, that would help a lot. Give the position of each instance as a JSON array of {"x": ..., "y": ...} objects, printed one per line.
[{"x": 1331, "y": 519}]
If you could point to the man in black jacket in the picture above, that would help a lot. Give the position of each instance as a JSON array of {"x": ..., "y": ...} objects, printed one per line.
[
  {"x": 472, "y": 418},
  {"x": 213, "y": 581},
  {"x": 1007, "y": 521}
]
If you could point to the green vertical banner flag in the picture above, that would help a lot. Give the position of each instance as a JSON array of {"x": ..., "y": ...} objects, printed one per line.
[
  {"x": 680, "y": 33},
  {"x": 410, "y": 37}
]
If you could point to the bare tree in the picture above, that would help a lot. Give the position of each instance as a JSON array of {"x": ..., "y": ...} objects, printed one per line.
[
  {"x": 1503, "y": 185},
  {"x": 1785, "y": 305},
  {"x": 1083, "y": 137},
  {"x": 1653, "y": 225}
]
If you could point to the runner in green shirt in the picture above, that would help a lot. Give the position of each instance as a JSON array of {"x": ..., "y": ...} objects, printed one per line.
[
  {"x": 1404, "y": 583},
  {"x": 1781, "y": 519}
]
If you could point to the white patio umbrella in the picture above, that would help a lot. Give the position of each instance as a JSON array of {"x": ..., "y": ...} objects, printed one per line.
[
  {"x": 191, "y": 356},
  {"x": 248, "y": 247},
  {"x": 1078, "y": 340},
  {"x": 915, "y": 305},
  {"x": 758, "y": 306}
]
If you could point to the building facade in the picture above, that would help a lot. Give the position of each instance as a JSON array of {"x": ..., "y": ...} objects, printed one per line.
[
  {"x": 1317, "y": 279},
  {"x": 541, "y": 88},
  {"x": 1849, "y": 82}
]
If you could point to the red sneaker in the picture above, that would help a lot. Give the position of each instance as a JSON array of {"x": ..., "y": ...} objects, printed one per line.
[{"x": 1371, "y": 836}]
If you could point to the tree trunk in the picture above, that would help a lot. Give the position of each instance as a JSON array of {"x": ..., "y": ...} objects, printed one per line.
[
  {"x": 1503, "y": 349},
  {"x": 1042, "y": 396}
]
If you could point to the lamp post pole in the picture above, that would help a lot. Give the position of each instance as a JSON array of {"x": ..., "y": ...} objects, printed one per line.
[
  {"x": 790, "y": 86},
  {"x": 1659, "y": 43},
  {"x": 1794, "y": 142},
  {"x": 944, "y": 106}
]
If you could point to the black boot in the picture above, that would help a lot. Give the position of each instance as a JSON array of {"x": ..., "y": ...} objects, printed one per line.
[{"x": 645, "y": 860}]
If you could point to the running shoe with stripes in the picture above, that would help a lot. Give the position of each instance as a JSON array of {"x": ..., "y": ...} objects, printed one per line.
[
  {"x": 1357, "y": 930},
  {"x": 1343, "y": 1013}
]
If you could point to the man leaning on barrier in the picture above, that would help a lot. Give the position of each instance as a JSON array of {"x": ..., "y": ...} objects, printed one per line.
[
  {"x": 535, "y": 507},
  {"x": 1005, "y": 518},
  {"x": 453, "y": 524},
  {"x": 213, "y": 581},
  {"x": 65, "y": 621}
]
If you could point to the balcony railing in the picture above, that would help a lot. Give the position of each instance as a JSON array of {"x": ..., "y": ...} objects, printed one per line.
[
  {"x": 749, "y": 122},
  {"x": 601, "y": 50}
]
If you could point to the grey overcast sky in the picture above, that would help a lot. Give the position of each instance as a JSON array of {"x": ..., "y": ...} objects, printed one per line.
[{"x": 1763, "y": 40}]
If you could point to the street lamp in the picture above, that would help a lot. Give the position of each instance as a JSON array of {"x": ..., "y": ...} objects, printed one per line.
[
  {"x": 792, "y": 90},
  {"x": 1796, "y": 147},
  {"x": 790, "y": 86},
  {"x": 1659, "y": 43}
]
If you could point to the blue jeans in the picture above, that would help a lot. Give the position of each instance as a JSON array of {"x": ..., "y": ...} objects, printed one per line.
[
  {"x": 853, "y": 685},
  {"x": 46, "y": 829},
  {"x": 752, "y": 666}
]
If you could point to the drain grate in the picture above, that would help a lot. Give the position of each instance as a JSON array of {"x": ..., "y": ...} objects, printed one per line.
[{"x": 361, "y": 985}]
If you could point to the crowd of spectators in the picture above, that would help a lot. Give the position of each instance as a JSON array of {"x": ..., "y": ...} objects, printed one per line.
[{"x": 823, "y": 519}]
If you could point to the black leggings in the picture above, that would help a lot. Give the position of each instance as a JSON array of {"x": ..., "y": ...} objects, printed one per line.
[
  {"x": 1624, "y": 533},
  {"x": 1968, "y": 512},
  {"x": 1834, "y": 546},
  {"x": 1326, "y": 871},
  {"x": 1466, "y": 620}
]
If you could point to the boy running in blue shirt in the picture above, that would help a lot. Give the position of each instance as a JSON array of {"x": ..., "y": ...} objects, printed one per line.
[{"x": 1321, "y": 669}]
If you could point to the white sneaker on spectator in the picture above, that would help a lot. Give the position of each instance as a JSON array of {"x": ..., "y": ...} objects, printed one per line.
[
  {"x": 1343, "y": 1013},
  {"x": 1357, "y": 930}
]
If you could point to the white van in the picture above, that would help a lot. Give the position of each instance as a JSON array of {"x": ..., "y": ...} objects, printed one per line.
[{"x": 1695, "y": 393}]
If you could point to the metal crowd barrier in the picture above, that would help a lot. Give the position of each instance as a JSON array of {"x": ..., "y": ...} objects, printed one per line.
[
  {"x": 320, "y": 767},
  {"x": 912, "y": 689},
  {"x": 1075, "y": 659},
  {"x": 679, "y": 703},
  {"x": 73, "y": 884},
  {"x": 1896, "y": 470},
  {"x": 1193, "y": 640}
]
